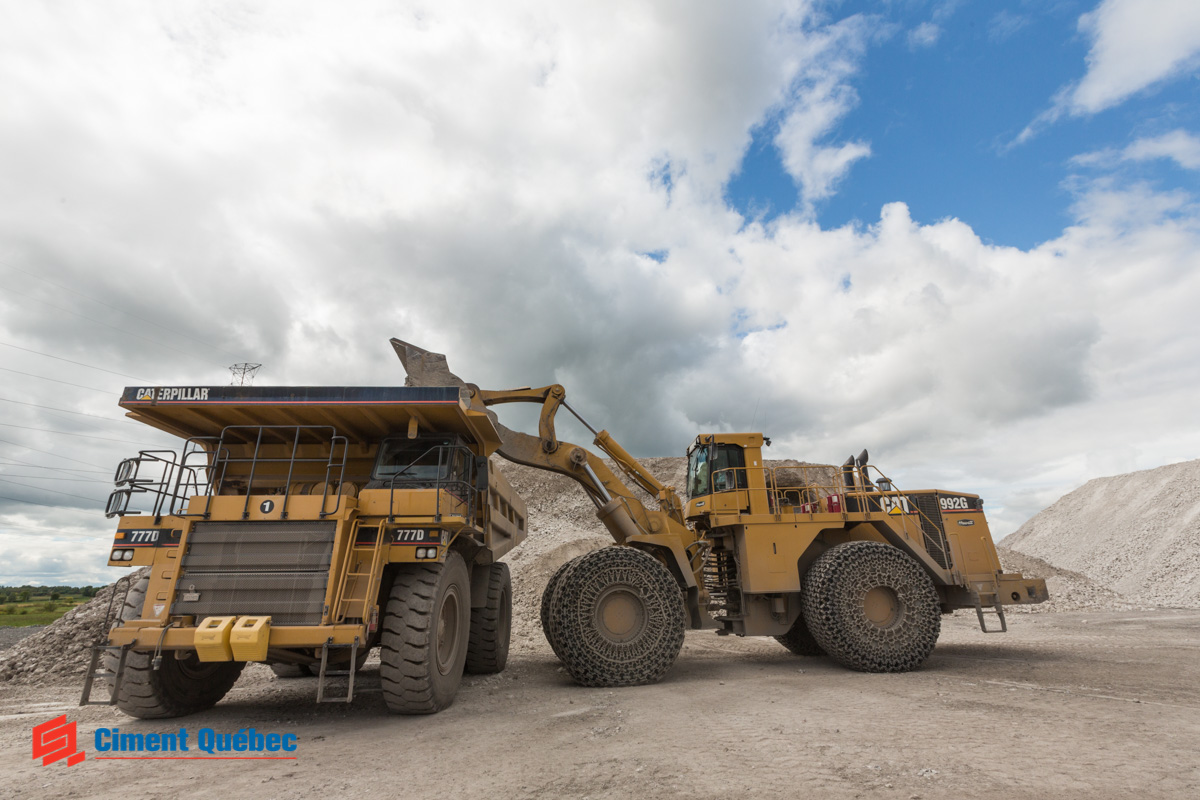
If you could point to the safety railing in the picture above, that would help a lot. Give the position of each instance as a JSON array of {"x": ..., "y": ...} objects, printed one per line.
[{"x": 233, "y": 463}]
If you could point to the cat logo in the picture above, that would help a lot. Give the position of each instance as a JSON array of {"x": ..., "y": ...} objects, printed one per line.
[
  {"x": 895, "y": 505},
  {"x": 145, "y": 394}
]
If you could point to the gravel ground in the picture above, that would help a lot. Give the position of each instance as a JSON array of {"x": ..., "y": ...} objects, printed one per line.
[{"x": 10, "y": 636}]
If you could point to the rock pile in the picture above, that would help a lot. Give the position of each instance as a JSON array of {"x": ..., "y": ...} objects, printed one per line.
[
  {"x": 1136, "y": 534},
  {"x": 61, "y": 651}
]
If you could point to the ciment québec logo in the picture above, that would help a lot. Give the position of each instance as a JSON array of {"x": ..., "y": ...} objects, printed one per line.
[
  {"x": 54, "y": 740},
  {"x": 57, "y": 739}
]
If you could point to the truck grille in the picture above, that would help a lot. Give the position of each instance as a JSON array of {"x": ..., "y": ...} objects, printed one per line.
[
  {"x": 276, "y": 569},
  {"x": 931, "y": 527}
]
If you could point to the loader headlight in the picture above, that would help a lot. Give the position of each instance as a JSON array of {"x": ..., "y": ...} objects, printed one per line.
[{"x": 127, "y": 555}]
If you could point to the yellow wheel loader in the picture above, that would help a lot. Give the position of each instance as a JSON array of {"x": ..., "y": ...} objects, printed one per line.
[{"x": 827, "y": 559}]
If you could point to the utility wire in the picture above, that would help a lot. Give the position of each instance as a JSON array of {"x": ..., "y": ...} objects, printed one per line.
[
  {"x": 76, "y": 363},
  {"x": 56, "y": 380},
  {"x": 35, "y": 503},
  {"x": 67, "y": 411},
  {"x": 15, "y": 461},
  {"x": 55, "y": 491},
  {"x": 48, "y": 453},
  {"x": 49, "y": 533},
  {"x": 125, "y": 312},
  {"x": 113, "y": 327},
  {"x": 55, "y": 478},
  {"x": 80, "y": 435}
]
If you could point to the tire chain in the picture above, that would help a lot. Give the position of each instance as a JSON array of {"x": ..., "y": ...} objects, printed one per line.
[
  {"x": 594, "y": 660},
  {"x": 548, "y": 597},
  {"x": 833, "y": 594}
]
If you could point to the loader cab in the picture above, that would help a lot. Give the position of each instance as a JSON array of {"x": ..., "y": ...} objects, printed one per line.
[{"x": 725, "y": 474}]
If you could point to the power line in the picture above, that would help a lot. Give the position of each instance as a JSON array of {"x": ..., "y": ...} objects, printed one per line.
[
  {"x": 55, "y": 491},
  {"x": 76, "y": 363},
  {"x": 54, "y": 478},
  {"x": 48, "y": 533},
  {"x": 48, "y": 453},
  {"x": 125, "y": 312},
  {"x": 56, "y": 380},
  {"x": 113, "y": 327},
  {"x": 80, "y": 435},
  {"x": 67, "y": 411},
  {"x": 35, "y": 503},
  {"x": 15, "y": 461}
]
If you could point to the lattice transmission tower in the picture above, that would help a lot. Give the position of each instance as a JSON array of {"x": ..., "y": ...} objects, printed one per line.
[{"x": 243, "y": 374}]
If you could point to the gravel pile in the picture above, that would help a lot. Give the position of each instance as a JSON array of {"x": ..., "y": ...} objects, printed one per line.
[
  {"x": 1136, "y": 534},
  {"x": 1069, "y": 591},
  {"x": 61, "y": 651}
]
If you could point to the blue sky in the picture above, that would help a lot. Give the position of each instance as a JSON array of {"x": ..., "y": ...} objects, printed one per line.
[
  {"x": 942, "y": 112},
  {"x": 963, "y": 235}
]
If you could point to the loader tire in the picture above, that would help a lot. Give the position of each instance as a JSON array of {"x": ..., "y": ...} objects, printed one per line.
[
  {"x": 426, "y": 624},
  {"x": 548, "y": 597},
  {"x": 871, "y": 607},
  {"x": 800, "y": 640},
  {"x": 178, "y": 686},
  {"x": 491, "y": 624},
  {"x": 618, "y": 618},
  {"x": 292, "y": 670}
]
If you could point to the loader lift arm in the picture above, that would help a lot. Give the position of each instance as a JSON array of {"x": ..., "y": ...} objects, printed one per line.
[{"x": 660, "y": 531}]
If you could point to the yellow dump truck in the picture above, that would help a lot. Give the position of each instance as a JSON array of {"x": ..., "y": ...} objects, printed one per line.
[{"x": 301, "y": 527}]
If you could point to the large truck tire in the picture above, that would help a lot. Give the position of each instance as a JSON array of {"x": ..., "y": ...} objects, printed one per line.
[
  {"x": 178, "y": 687},
  {"x": 800, "y": 640},
  {"x": 292, "y": 670},
  {"x": 426, "y": 624},
  {"x": 618, "y": 618},
  {"x": 491, "y": 624},
  {"x": 871, "y": 607},
  {"x": 548, "y": 598}
]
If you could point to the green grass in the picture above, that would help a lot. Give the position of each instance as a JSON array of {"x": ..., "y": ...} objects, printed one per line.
[{"x": 20, "y": 615}]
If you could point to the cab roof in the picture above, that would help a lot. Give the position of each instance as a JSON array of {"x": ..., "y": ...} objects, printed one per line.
[{"x": 363, "y": 414}]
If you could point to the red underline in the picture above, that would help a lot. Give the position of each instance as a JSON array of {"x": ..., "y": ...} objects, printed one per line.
[{"x": 194, "y": 758}]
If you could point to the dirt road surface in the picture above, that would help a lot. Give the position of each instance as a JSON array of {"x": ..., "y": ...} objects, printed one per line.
[{"x": 1078, "y": 704}]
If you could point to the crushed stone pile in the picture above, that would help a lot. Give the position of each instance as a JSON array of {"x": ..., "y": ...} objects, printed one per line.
[
  {"x": 1136, "y": 534},
  {"x": 1069, "y": 591},
  {"x": 62, "y": 650}
]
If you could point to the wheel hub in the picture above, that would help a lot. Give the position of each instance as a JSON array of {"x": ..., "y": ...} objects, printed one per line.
[
  {"x": 882, "y": 606},
  {"x": 447, "y": 632},
  {"x": 620, "y": 613}
]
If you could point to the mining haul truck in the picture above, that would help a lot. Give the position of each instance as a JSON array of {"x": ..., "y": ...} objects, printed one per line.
[
  {"x": 827, "y": 559},
  {"x": 301, "y": 527}
]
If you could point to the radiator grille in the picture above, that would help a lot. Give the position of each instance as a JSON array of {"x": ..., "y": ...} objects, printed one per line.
[
  {"x": 931, "y": 527},
  {"x": 280, "y": 569}
]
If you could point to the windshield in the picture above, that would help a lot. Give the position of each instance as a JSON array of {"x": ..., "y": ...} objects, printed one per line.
[
  {"x": 697, "y": 472},
  {"x": 416, "y": 459}
]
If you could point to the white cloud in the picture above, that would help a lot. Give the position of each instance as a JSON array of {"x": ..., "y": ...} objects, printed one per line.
[
  {"x": 822, "y": 96},
  {"x": 1135, "y": 44},
  {"x": 1178, "y": 145},
  {"x": 924, "y": 35},
  {"x": 292, "y": 185}
]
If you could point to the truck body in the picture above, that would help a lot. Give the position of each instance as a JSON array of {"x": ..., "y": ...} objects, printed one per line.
[{"x": 292, "y": 522}]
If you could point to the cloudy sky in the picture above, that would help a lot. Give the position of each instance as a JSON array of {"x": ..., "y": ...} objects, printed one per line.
[{"x": 964, "y": 235}]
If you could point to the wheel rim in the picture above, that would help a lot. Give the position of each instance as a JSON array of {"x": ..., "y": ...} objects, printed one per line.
[
  {"x": 620, "y": 614},
  {"x": 447, "y": 632},
  {"x": 882, "y": 607}
]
